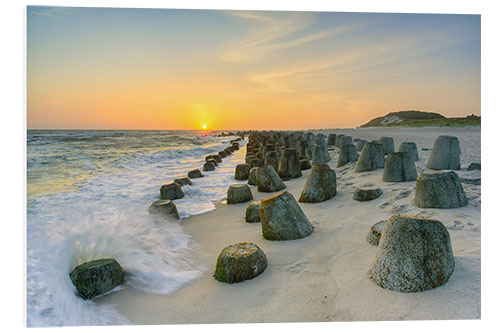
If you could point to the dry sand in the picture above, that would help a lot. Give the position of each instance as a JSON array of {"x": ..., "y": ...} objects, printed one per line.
[{"x": 324, "y": 277}]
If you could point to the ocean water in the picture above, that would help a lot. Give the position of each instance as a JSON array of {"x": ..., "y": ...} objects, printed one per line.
[{"x": 88, "y": 194}]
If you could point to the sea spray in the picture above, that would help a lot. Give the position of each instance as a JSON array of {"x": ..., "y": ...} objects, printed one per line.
[
  {"x": 88, "y": 198},
  {"x": 156, "y": 256}
]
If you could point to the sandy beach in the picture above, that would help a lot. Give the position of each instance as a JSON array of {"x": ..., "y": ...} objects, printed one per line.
[{"x": 324, "y": 277}]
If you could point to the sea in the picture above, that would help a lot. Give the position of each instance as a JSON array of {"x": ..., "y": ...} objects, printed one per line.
[{"x": 88, "y": 194}]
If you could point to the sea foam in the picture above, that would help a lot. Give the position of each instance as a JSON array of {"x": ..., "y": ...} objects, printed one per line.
[{"x": 99, "y": 209}]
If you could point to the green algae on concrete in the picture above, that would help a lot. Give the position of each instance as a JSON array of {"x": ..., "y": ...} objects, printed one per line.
[
  {"x": 96, "y": 277},
  {"x": 239, "y": 262}
]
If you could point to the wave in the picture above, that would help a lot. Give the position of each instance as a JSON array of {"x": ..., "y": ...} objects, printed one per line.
[{"x": 156, "y": 256}]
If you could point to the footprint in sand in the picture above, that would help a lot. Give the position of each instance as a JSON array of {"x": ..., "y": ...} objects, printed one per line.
[
  {"x": 461, "y": 225},
  {"x": 403, "y": 194},
  {"x": 426, "y": 213},
  {"x": 456, "y": 225},
  {"x": 385, "y": 204},
  {"x": 398, "y": 209},
  {"x": 299, "y": 267}
]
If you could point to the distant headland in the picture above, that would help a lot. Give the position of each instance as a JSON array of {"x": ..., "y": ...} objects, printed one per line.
[{"x": 413, "y": 118}]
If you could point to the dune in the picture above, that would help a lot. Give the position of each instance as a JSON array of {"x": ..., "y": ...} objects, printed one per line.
[{"x": 325, "y": 276}]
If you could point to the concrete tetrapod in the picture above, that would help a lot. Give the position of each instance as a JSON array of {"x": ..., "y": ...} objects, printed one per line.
[
  {"x": 348, "y": 153},
  {"x": 332, "y": 137},
  {"x": 272, "y": 159},
  {"x": 252, "y": 213},
  {"x": 399, "y": 167},
  {"x": 164, "y": 208},
  {"x": 375, "y": 233},
  {"x": 289, "y": 166},
  {"x": 240, "y": 262},
  {"x": 445, "y": 154},
  {"x": 96, "y": 277},
  {"x": 410, "y": 147},
  {"x": 238, "y": 193},
  {"x": 414, "y": 254},
  {"x": 321, "y": 184},
  {"x": 439, "y": 190},
  {"x": 241, "y": 171},
  {"x": 268, "y": 180},
  {"x": 171, "y": 191},
  {"x": 388, "y": 144},
  {"x": 372, "y": 157},
  {"x": 282, "y": 218}
]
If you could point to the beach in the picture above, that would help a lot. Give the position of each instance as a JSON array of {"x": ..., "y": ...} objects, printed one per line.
[{"x": 325, "y": 276}]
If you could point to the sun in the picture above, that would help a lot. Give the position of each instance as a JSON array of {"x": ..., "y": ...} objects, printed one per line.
[{"x": 204, "y": 126}]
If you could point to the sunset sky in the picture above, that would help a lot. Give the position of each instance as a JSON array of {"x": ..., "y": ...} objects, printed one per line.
[{"x": 106, "y": 68}]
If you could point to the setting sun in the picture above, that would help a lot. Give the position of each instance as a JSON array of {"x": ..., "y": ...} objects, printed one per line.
[{"x": 204, "y": 126}]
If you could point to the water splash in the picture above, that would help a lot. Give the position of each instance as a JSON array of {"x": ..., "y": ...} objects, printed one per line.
[{"x": 156, "y": 256}]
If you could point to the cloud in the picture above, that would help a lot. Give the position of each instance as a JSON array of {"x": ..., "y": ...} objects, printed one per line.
[
  {"x": 278, "y": 31},
  {"x": 271, "y": 27},
  {"x": 56, "y": 13},
  {"x": 367, "y": 64}
]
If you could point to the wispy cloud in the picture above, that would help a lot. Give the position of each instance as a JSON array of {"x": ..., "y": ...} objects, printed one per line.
[
  {"x": 268, "y": 28},
  {"x": 278, "y": 31},
  {"x": 55, "y": 13},
  {"x": 372, "y": 62}
]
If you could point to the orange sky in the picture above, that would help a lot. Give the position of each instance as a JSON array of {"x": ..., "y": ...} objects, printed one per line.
[{"x": 181, "y": 69}]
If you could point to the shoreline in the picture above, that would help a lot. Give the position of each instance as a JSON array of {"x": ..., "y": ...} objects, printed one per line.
[{"x": 323, "y": 277}]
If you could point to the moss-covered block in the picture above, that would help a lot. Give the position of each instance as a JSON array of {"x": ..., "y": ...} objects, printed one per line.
[
  {"x": 239, "y": 262},
  {"x": 96, "y": 277}
]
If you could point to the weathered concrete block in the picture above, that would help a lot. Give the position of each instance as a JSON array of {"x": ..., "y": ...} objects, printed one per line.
[
  {"x": 268, "y": 180},
  {"x": 252, "y": 178},
  {"x": 97, "y": 277},
  {"x": 256, "y": 162},
  {"x": 305, "y": 164},
  {"x": 348, "y": 153},
  {"x": 195, "y": 174},
  {"x": 208, "y": 166},
  {"x": 338, "y": 140},
  {"x": 366, "y": 193},
  {"x": 252, "y": 214},
  {"x": 321, "y": 184},
  {"x": 360, "y": 144},
  {"x": 332, "y": 137},
  {"x": 445, "y": 154},
  {"x": 239, "y": 262},
  {"x": 399, "y": 167},
  {"x": 165, "y": 208},
  {"x": 183, "y": 181},
  {"x": 375, "y": 233},
  {"x": 213, "y": 161},
  {"x": 320, "y": 155},
  {"x": 414, "y": 254},
  {"x": 171, "y": 191},
  {"x": 241, "y": 171},
  {"x": 388, "y": 144},
  {"x": 409, "y": 147},
  {"x": 217, "y": 158},
  {"x": 282, "y": 219},
  {"x": 289, "y": 166},
  {"x": 273, "y": 159},
  {"x": 345, "y": 140},
  {"x": 249, "y": 157},
  {"x": 474, "y": 166},
  {"x": 372, "y": 157},
  {"x": 238, "y": 193},
  {"x": 439, "y": 190}
]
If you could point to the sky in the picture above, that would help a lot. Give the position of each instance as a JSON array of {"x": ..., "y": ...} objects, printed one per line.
[{"x": 112, "y": 68}]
